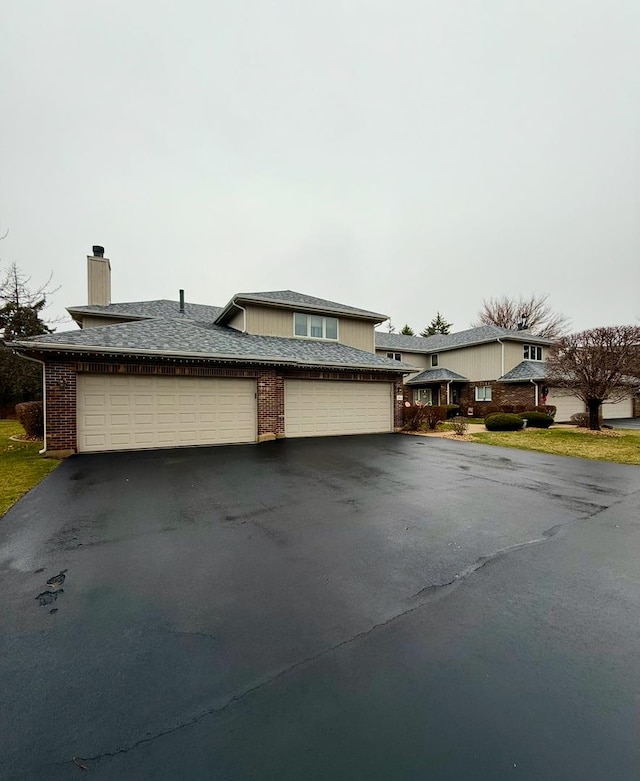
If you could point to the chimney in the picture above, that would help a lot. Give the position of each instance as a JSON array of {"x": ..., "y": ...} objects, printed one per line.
[{"x": 98, "y": 278}]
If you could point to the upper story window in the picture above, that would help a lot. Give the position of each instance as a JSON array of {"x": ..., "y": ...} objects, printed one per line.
[
  {"x": 532, "y": 352},
  {"x": 434, "y": 360},
  {"x": 315, "y": 326},
  {"x": 395, "y": 356}
]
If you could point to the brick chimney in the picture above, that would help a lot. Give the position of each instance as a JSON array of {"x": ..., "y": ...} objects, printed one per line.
[{"x": 98, "y": 278}]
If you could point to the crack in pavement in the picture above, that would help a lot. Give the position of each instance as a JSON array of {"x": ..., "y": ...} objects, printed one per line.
[{"x": 428, "y": 594}]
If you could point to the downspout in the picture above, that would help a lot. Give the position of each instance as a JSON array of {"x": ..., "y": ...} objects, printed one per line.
[
  {"x": 244, "y": 317},
  {"x": 44, "y": 395},
  {"x": 501, "y": 343},
  {"x": 535, "y": 385},
  {"x": 449, "y": 391}
]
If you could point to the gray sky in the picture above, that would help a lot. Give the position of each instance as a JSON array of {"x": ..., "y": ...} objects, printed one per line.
[{"x": 403, "y": 156}]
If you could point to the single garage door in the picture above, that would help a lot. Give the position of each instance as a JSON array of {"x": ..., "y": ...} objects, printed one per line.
[
  {"x": 120, "y": 412},
  {"x": 619, "y": 409},
  {"x": 566, "y": 405},
  {"x": 318, "y": 408}
]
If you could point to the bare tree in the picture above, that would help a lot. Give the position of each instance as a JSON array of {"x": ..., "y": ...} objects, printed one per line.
[
  {"x": 597, "y": 365},
  {"x": 532, "y": 313}
]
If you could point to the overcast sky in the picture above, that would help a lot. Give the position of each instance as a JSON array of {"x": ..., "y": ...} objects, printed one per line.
[{"x": 404, "y": 156}]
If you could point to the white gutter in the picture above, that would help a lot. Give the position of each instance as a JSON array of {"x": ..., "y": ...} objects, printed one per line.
[
  {"x": 501, "y": 343},
  {"x": 449, "y": 391},
  {"x": 44, "y": 396},
  {"x": 535, "y": 385},
  {"x": 244, "y": 318}
]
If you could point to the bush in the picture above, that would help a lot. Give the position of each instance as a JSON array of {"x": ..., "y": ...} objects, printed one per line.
[
  {"x": 503, "y": 421},
  {"x": 452, "y": 410},
  {"x": 537, "y": 419},
  {"x": 581, "y": 419},
  {"x": 459, "y": 426},
  {"x": 414, "y": 417},
  {"x": 31, "y": 416},
  {"x": 435, "y": 414}
]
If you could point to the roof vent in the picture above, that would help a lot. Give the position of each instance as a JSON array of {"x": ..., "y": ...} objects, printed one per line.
[
  {"x": 182, "y": 302},
  {"x": 98, "y": 251}
]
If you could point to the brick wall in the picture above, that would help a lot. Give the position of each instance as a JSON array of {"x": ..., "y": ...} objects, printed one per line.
[
  {"x": 61, "y": 399},
  {"x": 60, "y": 390},
  {"x": 501, "y": 393}
]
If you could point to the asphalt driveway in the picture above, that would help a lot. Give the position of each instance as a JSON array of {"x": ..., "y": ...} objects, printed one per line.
[{"x": 382, "y": 607}]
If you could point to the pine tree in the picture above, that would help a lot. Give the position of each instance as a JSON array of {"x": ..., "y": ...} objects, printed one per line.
[
  {"x": 407, "y": 330},
  {"x": 437, "y": 326}
]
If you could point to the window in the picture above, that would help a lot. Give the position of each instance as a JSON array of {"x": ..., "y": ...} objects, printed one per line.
[
  {"x": 315, "y": 326},
  {"x": 532, "y": 352},
  {"x": 395, "y": 356},
  {"x": 434, "y": 360},
  {"x": 483, "y": 392}
]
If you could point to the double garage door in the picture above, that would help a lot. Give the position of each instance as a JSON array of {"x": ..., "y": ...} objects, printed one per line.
[
  {"x": 570, "y": 405},
  {"x": 129, "y": 412}
]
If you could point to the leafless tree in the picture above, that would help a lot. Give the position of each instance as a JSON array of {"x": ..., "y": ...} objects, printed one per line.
[
  {"x": 532, "y": 313},
  {"x": 601, "y": 364}
]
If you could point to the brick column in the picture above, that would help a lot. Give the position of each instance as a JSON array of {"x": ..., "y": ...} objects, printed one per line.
[
  {"x": 398, "y": 404},
  {"x": 270, "y": 405},
  {"x": 60, "y": 400}
]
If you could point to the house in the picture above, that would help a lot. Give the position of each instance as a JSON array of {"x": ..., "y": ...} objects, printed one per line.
[
  {"x": 153, "y": 374},
  {"x": 482, "y": 369}
]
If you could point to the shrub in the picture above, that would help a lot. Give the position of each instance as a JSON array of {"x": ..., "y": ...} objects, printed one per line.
[
  {"x": 452, "y": 410},
  {"x": 414, "y": 417},
  {"x": 550, "y": 409},
  {"x": 31, "y": 416},
  {"x": 503, "y": 421},
  {"x": 459, "y": 425},
  {"x": 435, "y": 413},
  {"x": 581, "y": 419},
  {"x": 537, "y": 419}
]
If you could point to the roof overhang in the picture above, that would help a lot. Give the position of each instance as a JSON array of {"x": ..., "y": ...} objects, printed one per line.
[
  {"x": 44, "y": 348},
  {"x": 238, "y": 301}
]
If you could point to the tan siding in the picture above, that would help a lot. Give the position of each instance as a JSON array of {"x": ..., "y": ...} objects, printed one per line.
[
  {"x": 483, "y": 362},
  {"x": 357, "y": 333},
  {"x": 91, "y": 321},
  {"x": 418, "y": 360},
  {"x": 269, "y": 321},
  {"x": 514, "y": 354},
  {"x": 237, "y": 321}
]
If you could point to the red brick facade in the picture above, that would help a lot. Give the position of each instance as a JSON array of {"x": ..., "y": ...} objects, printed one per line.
[
  {"x": 61, "y": 395},
  {"x": 501, "y": 393}
]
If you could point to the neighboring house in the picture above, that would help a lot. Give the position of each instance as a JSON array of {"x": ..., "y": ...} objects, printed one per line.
[
  {"x": 483, "y": 368},
  {"x": 154, "y": 374}
]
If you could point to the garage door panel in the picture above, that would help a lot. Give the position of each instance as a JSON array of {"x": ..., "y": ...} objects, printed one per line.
[
  {"x": 327, "y": 408},
  {"x": 146, "y": 412},
  {"x": 620, "y": 409}
]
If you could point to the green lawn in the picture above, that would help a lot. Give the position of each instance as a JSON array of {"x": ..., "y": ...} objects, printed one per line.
[
  {"x": 21, "y": 467},
  {"x": 624, "y": 449}
]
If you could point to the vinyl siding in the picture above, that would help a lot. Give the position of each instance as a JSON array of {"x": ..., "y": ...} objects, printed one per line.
[
  {"x": 271, "y": 321},
  {"x": 514, "y": 354},
  {"x": 419, "y": 360},
  {"x": 93, "y": 321},
  {"x": 483, "y": 362}
]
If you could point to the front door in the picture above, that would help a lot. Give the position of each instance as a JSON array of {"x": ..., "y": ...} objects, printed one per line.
[{"x": 423, "y": 395}]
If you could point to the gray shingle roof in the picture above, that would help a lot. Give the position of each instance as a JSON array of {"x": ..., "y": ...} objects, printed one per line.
[
  {"x": 525, "y": 371},
  {"x": 182, "y": 338},
  {"x": 436, "y": 375},
  {"x": 294, "y": 300},
  {"x": 159, "y": 308},
  {"x": 440, "y": 342}
]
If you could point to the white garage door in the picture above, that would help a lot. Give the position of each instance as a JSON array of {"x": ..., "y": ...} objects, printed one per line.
[
  {"x": 133, "y": 413},
  {"x": 566, "y": 405},
  {"x": 620, "y": 409},
  {"x": 317, "y": 408}
]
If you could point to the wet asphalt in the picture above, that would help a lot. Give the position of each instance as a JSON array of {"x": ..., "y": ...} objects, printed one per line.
[{"x": 382, "y": 607}]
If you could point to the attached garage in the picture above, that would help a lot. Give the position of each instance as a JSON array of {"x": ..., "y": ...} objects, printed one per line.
[
  {"x": 619, "y": 409},
  {"x": 566, "y": 405},
  {"x": 132, "y": 412},
  {"x": 318, "y": 408}
]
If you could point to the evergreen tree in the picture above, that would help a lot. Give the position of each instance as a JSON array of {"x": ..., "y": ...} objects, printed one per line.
[
  {"x": 407, "y": 330},
  {"x": 20, "y": 317},
  {"x": 437, "y": 326}
]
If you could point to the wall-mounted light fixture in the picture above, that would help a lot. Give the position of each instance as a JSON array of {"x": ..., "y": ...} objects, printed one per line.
[{"x": 62, "y": 384}]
